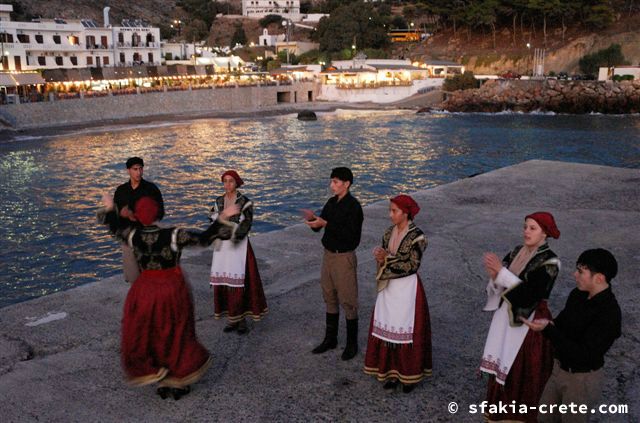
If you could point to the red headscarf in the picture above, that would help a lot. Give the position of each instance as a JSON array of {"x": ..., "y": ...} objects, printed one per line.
[
  {"x": 234, "y": 175},
  {"x": 146, "y": 210},
  {"x": 546, "y": 222},
  {"x": 406, "y": 204}
]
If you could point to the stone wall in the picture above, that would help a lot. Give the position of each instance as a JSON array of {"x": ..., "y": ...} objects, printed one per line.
[
  {"x": 548, "y": 95},
  {"x": 110, "y": 108}
]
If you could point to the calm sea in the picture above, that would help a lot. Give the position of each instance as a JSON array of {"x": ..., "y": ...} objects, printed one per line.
[{"x": 50, "y": 186}]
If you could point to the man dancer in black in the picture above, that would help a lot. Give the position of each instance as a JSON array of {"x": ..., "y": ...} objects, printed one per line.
[
  {"x": 124, "y": 199},
  {"x": 341, "y": 219}
]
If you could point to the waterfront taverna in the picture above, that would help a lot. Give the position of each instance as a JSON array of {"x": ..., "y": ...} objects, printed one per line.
[{"x": 374, "y": 80}]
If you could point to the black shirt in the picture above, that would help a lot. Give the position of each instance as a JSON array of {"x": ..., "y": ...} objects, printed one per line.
[
  {"x": 585, "y": 330},
  {"x": 125, "y": 195},
  {"x": 344, "y": 224}
]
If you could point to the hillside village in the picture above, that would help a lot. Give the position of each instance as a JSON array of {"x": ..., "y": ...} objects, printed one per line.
[{"x": 350, "y": 51}]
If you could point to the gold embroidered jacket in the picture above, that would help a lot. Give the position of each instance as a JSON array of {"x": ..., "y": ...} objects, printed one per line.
[{"x": 407, "y": 259}]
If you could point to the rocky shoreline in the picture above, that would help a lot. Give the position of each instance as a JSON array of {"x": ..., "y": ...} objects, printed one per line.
[{"x": 574, "y": 97}]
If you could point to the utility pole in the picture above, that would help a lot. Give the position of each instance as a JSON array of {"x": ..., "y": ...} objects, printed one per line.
[{"x": 287, "y": 22}]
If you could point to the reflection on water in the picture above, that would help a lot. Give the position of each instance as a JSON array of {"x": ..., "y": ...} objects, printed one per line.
[{"x": 49, "y": 187}]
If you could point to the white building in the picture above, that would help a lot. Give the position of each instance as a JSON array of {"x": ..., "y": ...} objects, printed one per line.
[
  {"x": 57, "y": 43},
  {"x": 605, "y": 73},
  {"x": 374, "y": 80},
  {"x": 266, "y": 40},
  {"x": 178, "y": 51},
  {"x": 260, "y": 8}
]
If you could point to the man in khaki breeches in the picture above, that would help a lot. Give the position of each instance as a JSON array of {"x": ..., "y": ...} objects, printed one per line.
[{"x": 341, "y": 219}]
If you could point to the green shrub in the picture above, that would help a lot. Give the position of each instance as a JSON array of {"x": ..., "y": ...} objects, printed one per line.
[
  {"x": 623, "y": 78},
  {"x": 608, "y": 57},
  {"x": 465, "y": 81}
]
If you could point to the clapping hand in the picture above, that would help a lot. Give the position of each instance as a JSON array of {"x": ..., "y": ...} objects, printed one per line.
[
  {"x": 308, "y": 214},
  {"x": 107, "y": 201},
  {"x": 492, "y": 264},
  {"x": 380, "y": 254}
]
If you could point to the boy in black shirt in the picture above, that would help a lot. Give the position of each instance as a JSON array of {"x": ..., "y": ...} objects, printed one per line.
[
  {"x": 581, "y": 335},
  {"x": 125, "y": 198},
  {"x": 341, "y": 219}
]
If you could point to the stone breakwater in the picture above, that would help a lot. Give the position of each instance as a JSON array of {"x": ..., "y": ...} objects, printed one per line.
[{"x": 549, "y": 96}]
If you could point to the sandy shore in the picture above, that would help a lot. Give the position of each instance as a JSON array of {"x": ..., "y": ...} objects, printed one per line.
[{"x": 60, "y": 354}]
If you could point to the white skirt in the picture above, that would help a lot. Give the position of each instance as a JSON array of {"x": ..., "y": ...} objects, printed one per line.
[{"x": 229, "y": 263}]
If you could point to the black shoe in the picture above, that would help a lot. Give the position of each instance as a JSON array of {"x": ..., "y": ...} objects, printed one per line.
[
  {"x": 230, "y": 327},
  {"x": 390, "y": 384},
  {"x": 351, "y": 350},
  {"x": 408, "y": 388},
  {"x": 241, "y": 327},
  {"x": 180, "y": 392},
  {"x": 330, "y": 341},
  {"x": 163, "y": 392}
]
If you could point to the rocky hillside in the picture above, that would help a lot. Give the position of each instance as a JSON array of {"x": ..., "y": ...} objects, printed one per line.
[
  {"x": 476, "y": 49},
  {"x": 154, "y": 11}
]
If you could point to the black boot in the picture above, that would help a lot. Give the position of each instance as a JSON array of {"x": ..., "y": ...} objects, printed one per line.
[
  {"x": 180, "y": 392},
  {"x": 163, "y": 391},
  {"x": 331, "y": 335},
  {"x": 351, "y": 349}
]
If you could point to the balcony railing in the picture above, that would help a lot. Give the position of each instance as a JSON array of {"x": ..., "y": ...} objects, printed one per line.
[
  {"x": 99, "y": 47},
  {"x": 138, "y": 45},
  {"x": 44, "y": 46}
]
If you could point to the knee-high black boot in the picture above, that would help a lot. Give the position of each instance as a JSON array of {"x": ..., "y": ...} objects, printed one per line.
[
  {"x": 351, "y": 349},
  {"x": 331, "y": 335}
]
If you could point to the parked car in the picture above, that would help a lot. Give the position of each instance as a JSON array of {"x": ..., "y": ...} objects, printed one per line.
[
  {"x": 510, "y": 75},
  {"x": 583, "y": 77},
  {"x": 563, "y": 76}
]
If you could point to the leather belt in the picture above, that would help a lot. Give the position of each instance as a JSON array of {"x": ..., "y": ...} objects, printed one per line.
[{"x": 338, "y": 251}]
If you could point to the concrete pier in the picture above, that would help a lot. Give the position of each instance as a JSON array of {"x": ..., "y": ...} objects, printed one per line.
[{"x": 59, "y": 354}]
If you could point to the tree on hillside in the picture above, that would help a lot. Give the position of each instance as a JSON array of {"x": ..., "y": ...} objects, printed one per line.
[
  {"x": 203, "y": 10},
  {"x": 513, "y": 9},
  {"x": 547, "y": 9},
  {"x": 353, "y": 22},
  {"x": 599, "y": 14},
  {"x": 608, "y": 57},
  {"x": 239, "y": 36},
  {"x": 483, "y": 13},
  {"x": 398, "y": 22},
  {"x": 269, "y": 19},
  {"x": 329, "y": 6},
  {"x": 195, "y": 30}
]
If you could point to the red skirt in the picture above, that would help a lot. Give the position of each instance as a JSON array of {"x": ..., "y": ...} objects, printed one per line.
[
  {"x": 409, "y": 363},
  {"x": 158, "y": 331},
  {"x": 238, "y": 303},
  {"x": 528, "y": 374}
]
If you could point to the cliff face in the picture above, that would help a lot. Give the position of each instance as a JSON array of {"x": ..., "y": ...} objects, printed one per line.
[
  {"x": 548, "y": 95},
  {"x": 563, "y": 59},
  {"x": 476, "y": 50}
]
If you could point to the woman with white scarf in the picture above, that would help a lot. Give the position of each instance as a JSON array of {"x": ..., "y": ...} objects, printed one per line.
[{"x": 518, "y": 360}]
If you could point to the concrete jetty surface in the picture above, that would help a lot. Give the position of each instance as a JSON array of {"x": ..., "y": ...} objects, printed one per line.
[{"x": 59, "y": 354}]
